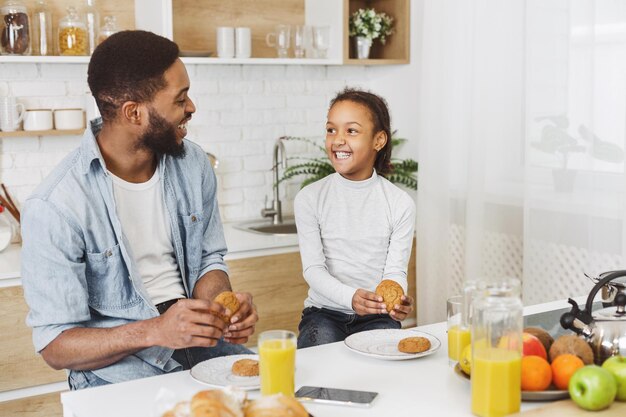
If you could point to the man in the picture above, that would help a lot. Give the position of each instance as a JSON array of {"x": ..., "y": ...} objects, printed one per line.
[{"x": 122, "y": 244}]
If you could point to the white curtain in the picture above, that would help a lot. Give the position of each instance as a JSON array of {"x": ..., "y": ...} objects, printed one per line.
[{"x": 521, "y": 146}]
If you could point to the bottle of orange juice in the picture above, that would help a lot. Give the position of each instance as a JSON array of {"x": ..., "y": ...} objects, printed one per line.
[{"x": 497, "y": 326}]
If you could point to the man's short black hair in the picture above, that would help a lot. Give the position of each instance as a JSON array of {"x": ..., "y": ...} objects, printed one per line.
[{"x": 129, "y": 66}]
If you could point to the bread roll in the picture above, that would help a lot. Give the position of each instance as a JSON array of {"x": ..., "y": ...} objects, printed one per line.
[
  {"x": 229, "y": 300},
  {"x": 215, "y": 403},
  {"x": 275, "y": 406}
]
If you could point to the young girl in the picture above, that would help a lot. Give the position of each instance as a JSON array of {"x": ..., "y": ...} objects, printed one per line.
[{"x": 355, "y": 228}]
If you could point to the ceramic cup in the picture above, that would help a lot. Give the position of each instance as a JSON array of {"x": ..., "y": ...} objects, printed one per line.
[
  {"x": 38, "y": 119},
  {"x": 11, "y": 114},
  {"x": 226, "y": 42},
  {"x": 69, "y": 119},
  {"x": 243, "y": 43}
]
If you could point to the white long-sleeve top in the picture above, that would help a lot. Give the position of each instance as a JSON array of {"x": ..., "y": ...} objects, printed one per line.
[{"x": 352, "y": 234}]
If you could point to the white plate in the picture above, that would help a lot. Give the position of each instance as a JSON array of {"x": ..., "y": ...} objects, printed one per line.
[
  {"x": 218, "y": 372},
  {"x": 383, "y": 344}
]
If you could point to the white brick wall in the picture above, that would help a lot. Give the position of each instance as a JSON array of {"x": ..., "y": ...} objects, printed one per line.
[{"x": 241, "y": 111}]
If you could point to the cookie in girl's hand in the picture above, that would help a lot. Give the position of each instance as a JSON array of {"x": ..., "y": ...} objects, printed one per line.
[
  {"x": 391, "y": 292},
  {"x": 229, "y": 300}
]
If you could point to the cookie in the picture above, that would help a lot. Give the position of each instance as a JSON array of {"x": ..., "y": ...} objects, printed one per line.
[
  {"x": 391, "y": 292},
  {"x": 229, "y": 300},
  {"x": 416, "y": 344},
  {"x": 246, "y": 367}
]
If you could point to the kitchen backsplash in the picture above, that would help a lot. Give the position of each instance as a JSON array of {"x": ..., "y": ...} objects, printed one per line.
[{"x": 241, "y": 111}]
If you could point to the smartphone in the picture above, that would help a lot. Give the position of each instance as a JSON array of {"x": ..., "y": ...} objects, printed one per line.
[{"x": 336, "y": 396}]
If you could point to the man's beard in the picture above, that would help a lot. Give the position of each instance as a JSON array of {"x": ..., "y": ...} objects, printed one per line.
[{"x": 160, "y": 137}]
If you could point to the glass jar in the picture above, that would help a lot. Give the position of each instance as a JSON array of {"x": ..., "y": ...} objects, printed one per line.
[
  {"x": 497, "y": 325},
  {"x": 15, "y": 27},
  {"x": 92, "y": 18},
  {"x": 73, "y": 39},
  {"x": 109, "y": 28},
  {"x": 42, "y": 29}
]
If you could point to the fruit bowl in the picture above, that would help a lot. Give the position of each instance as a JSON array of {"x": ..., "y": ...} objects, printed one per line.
[{"x": 547, "y": 395}]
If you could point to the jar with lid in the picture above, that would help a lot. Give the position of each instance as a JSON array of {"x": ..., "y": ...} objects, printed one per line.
[
  {"x": 73, "y": 38},
  {"x": 15, "y": 27},
  {"x": 109, "y": 28},
  {"x": 42, "y": 29},
  {"x": 496, "y": 330},
  {"x": 92, "y": 18}
]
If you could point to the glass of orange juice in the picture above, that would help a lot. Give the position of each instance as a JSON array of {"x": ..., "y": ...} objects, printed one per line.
[
  {"x": 277, "y": 362},
  {"x": 458, "y": 330}
]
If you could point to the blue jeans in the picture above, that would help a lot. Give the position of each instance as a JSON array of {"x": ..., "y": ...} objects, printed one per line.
[
  {"x": 186, "y": 357},
  {"x": 319, "y": 326}
]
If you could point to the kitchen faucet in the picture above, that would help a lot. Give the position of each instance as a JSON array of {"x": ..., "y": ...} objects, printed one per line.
[{"x": 275, "y": 211}]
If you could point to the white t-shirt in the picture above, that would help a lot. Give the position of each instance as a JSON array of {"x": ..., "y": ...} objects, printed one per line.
[
  {"x": 146, "y": 225},
  {"x": 352, "y": 234}
]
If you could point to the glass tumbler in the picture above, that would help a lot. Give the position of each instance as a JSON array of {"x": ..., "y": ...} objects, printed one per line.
[{"x": 277, "y": 362}]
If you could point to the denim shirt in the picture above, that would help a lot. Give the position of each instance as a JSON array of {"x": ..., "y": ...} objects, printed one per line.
[{"x": 76, "y": 266}]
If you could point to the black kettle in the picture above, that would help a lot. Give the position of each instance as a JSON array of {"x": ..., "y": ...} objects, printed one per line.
[{"x": 605, "y": 329}]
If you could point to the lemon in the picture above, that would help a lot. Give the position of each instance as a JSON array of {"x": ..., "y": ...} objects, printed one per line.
[{"x": 465, "y": 360}]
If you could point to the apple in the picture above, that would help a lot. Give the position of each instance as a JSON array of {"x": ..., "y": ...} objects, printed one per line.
[
  {"x": 592, "y": 388},
  {"x": 617, "y": 366},
  {"x": 531, "y": 345}
]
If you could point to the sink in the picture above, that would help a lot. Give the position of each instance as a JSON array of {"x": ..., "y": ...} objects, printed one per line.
[{"x": 287, "y": 227}]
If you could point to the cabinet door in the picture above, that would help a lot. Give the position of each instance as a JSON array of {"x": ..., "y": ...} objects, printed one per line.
[
  {"x": 277, "y": 287},
  {"x": 21, "y": 366}
]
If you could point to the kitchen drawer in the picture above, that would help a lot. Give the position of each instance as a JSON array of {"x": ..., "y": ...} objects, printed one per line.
[
  {"x": 21, "y": 366},
  {"x": 47, "y": 405},
  {"x": 277, "y": 287}
]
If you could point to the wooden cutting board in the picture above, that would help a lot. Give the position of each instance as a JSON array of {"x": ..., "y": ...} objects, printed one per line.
[{"x": 567, "y": 408}]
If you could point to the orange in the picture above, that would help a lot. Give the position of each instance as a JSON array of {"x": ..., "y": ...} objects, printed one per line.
[
  {"x": 536, "y": 373},
  {"x": 563, "y": 367}
]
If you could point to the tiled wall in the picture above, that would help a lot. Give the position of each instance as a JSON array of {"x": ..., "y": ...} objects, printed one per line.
[{"x": 241, "y": 110}]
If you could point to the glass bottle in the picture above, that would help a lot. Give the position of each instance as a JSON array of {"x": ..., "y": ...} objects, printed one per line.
[
  {"x": 42, "y": 29},
  {"x": 72, "y": 37},
  {"x": 497, "y": 326},
  {"x": 14, "y": 28},
  {"x": 92, "y": 17},
  {"x": 109, "y": 28}
]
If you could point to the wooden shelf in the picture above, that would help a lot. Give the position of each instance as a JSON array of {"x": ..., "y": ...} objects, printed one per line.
[
  {"x": 23, "y": 133},
  {"x": 397, "y": 48}
]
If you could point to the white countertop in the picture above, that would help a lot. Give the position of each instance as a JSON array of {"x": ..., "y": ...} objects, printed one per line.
[
  {"x": 241, "y": 244},
  {"x": 426, "y": 386}
]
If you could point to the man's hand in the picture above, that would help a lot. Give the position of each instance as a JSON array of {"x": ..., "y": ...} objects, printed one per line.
[
  {"x": 366, "y": 302},
  {"x": 242, "y": 323},
  {"x": 190, "y": 323},
  {"x": 402, "y": 310}
]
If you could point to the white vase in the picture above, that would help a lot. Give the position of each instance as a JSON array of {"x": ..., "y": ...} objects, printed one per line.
[{"x": 362, "y": 46}]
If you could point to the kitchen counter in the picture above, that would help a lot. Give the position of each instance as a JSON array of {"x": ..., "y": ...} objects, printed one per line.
[{"x": 241, "y": 244}]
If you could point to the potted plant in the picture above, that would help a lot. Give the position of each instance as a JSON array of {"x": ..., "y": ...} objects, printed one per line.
[
  {"x": 316, "y": 168},
  {"x": 367, "y": 25}
]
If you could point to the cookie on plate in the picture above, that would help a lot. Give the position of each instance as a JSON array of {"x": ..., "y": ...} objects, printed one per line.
[
  {"x": 246, "y": 367},
  {"x": 414, "y": 344},
  {"x": 391, "y": 292},
  {"x": 229, "y": 300}
]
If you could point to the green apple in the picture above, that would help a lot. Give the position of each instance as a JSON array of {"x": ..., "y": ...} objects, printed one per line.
[
  {"x": 592, "y": 388},
  {"x": 617, "y": 366}
]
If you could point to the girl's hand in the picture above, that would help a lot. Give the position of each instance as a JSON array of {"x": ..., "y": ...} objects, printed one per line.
[
  {"x": 402, "y": 310},
  {"x": 366, "y": 302}
]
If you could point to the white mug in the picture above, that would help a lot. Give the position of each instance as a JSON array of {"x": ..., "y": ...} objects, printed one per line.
[
  {"x": 11, "y": 114},
  {"x": 38, "y": 119},
  {"x": 69, "y": 119},
  {"x": 243, "y": 43},
  {"x": 225, "y": 42}
]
